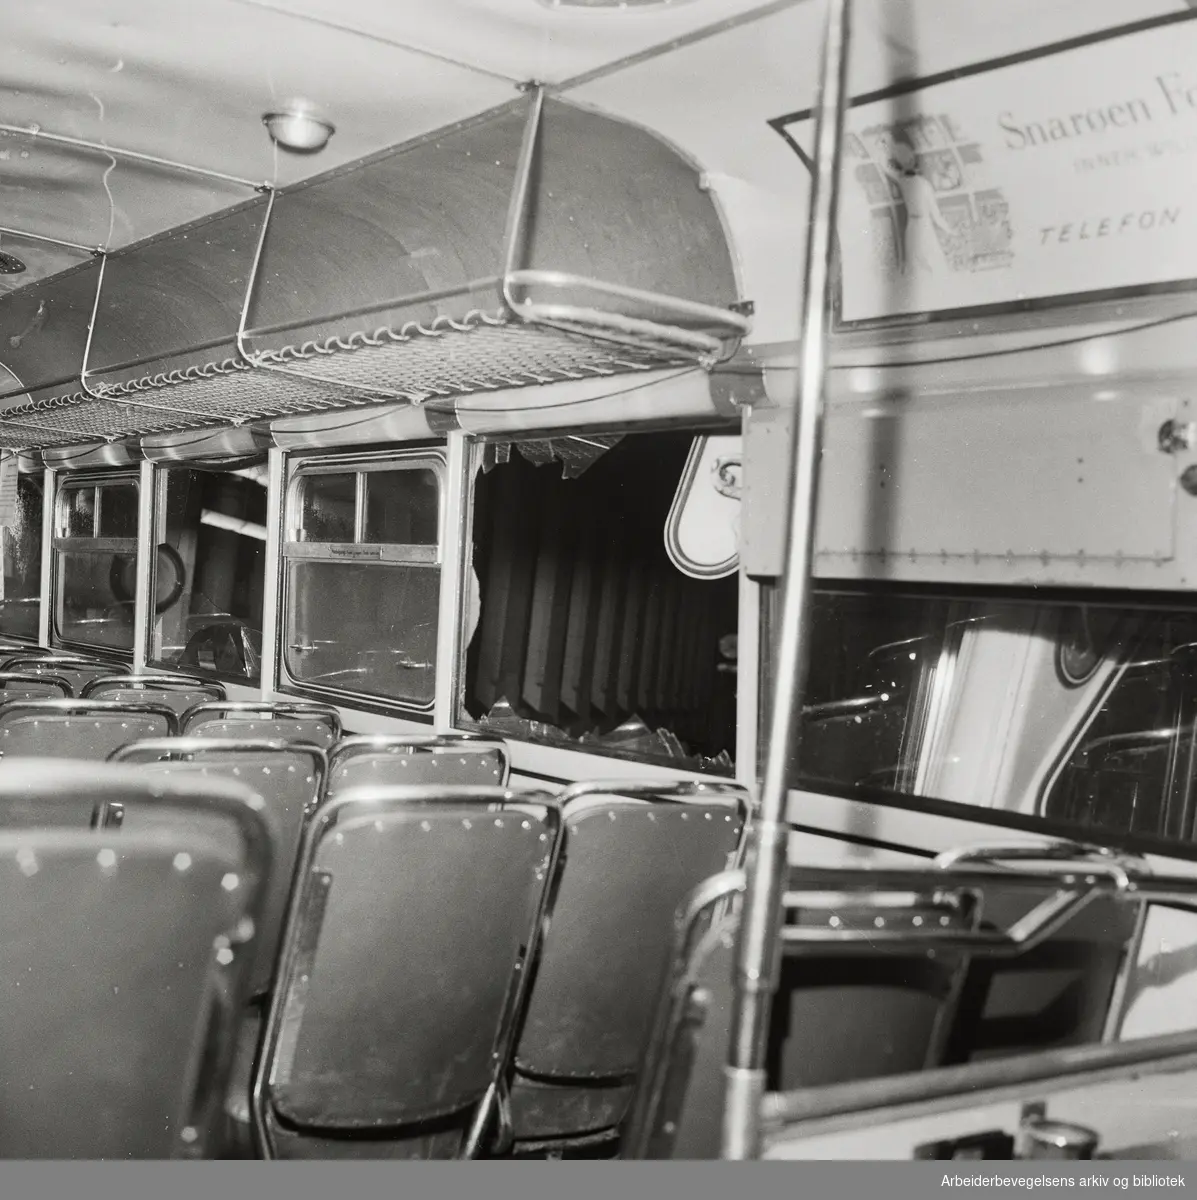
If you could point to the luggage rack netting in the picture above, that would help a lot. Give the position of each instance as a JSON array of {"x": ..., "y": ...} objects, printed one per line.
[
  {"x": 484, "y": 352},
  {"x": 415, "y": 363}
]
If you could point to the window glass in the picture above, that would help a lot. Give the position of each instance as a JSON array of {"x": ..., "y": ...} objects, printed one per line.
[
  {"x": 21, "y": 546},
  {"x": 873, "y": 654},
  {"x": 402, "y": 507},
  {"x": 118, "y": 511},
  {"x": 1086, "y": 716},
  {"x": 79, "y": 512},
  {"x": 360, "y": 616},
  {"x": 1133, "y": 767},
  {"x": 96, "y": 579},
  {"x": 94, "y": 606},
  {"x": 581, "y": 631},
  {"x": 329, "y": 507},
  {"x": 365, "y": 627},
  {"x": 210, "y": 571}
]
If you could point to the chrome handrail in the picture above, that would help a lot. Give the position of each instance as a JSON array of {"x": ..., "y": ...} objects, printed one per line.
[{"x": 756, "y": 953}]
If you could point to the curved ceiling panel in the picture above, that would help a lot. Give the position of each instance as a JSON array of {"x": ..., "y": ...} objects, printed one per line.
[
  {"x": 524, "y": 39},
  {"x": 41, "y": 260},
  {"x": 86, "y": 195},
  {"x": 189, "y": 83}
]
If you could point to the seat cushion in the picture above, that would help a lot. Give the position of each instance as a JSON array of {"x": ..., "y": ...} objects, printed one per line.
[{"x": 543, "y": 1110}]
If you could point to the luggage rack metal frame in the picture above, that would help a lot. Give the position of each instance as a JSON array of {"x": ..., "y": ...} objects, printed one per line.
[{"x": 541, "y": 340}]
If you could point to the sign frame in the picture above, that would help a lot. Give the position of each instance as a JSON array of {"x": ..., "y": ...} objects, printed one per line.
[{"x": 991, "y": 316}]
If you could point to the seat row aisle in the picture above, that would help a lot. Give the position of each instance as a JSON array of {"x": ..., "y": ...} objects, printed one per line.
[{"x": 383, "y": 949}]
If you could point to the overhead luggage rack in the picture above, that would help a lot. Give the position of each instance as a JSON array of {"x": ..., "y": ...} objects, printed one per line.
[{"x": 491, "y": 234}]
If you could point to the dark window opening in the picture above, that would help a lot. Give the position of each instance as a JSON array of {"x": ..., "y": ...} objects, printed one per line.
[
  {"x": 210, "y": 572},
  {"x": 587, "y": 635},
  {"x": 22, "y": 551}
]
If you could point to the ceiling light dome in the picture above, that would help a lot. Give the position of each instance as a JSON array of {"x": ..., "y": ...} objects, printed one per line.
[{"x": 298, "y": 126}]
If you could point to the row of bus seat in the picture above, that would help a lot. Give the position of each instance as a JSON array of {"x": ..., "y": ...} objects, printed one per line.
[
  {"x": 440, "y": 965},
  {"x": 335, "y": 1078},
  {"x": 862, "y": 993},
  {"x": 36, "y": 673}
]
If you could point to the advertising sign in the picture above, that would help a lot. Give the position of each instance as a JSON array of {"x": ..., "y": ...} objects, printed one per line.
[{"x": 1063, "y": 174}]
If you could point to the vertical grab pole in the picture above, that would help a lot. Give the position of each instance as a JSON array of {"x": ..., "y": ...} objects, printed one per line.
[{"x": 756, "y": 961}]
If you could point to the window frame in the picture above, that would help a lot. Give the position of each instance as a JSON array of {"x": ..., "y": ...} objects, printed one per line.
[
  {"x": 293, "y": 549},
  {"x": 161, "y": 481},
  {"x": 63, "y": 543},
  {"x": 43, "y": 476}
]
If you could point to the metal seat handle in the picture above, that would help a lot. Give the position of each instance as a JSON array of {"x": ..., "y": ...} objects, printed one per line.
[{"x": 1083, "y": 856}]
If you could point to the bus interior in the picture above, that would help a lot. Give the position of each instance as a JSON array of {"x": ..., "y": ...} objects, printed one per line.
[{"x": 424, "y": 729}]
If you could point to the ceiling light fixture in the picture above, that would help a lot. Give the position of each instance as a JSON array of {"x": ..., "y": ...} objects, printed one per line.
[
  {"x": 10, "y": 264},
  {"x": 299, "y": 127}
]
